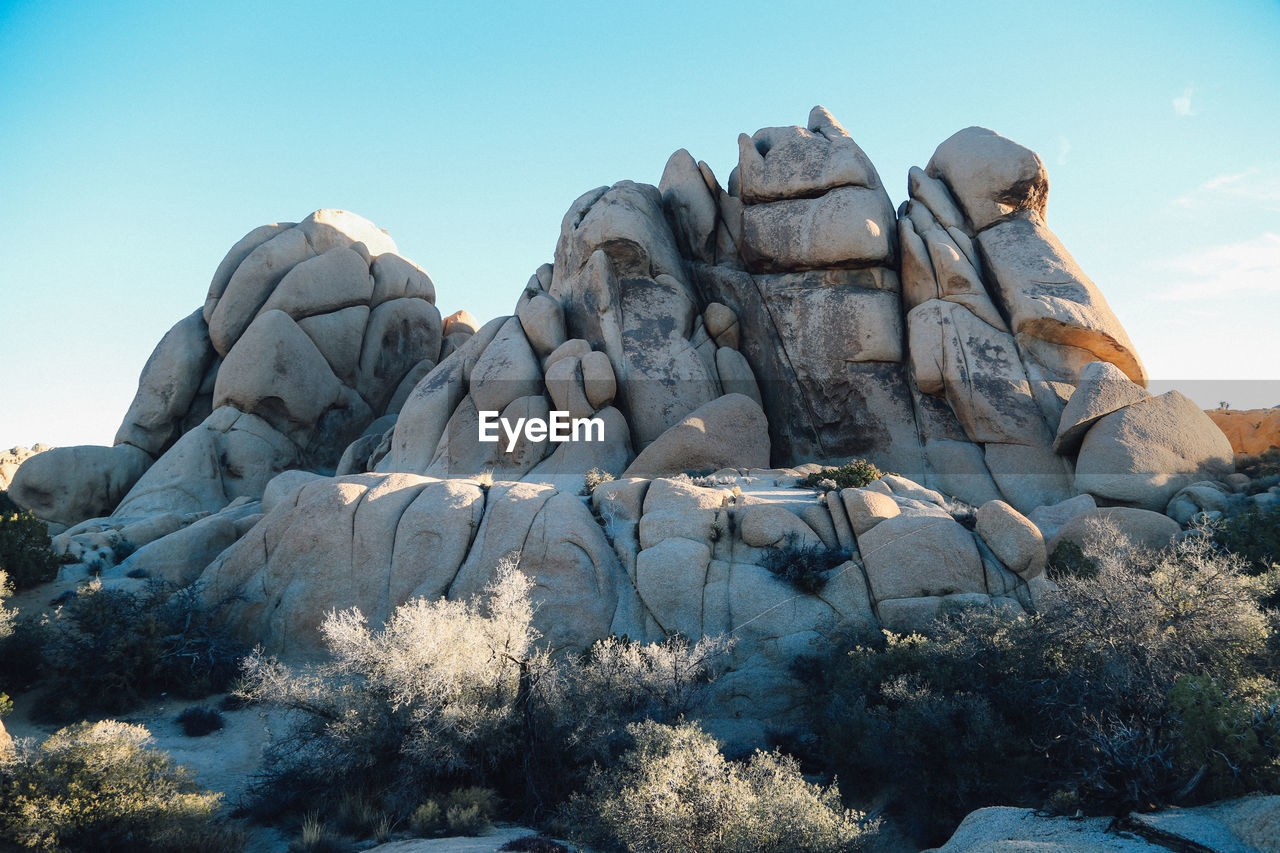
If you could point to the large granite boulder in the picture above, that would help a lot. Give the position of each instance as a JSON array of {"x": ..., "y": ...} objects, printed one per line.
[{"x": 1142, "y": 454}]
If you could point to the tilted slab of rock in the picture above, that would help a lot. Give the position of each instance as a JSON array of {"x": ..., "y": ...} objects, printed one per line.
[
  {"x": 1102, "y": 389},
  {"x": 168, "y": 388},
  {"x": 1056, "y": 311}
]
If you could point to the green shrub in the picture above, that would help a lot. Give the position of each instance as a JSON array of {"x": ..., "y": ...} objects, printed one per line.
[
  {"x": 1068, "y": 560},
  {"x": 1233, "y": 739},
  {"x": 1076, "y": 704},
  {"x": 805, "y": 567},
  {"x": 7, "y": 506},
  {"x": 594, "y": 478},
  {"x": 24, "y": 550},
  {"x": 466, "y": 820},
  {"x": 1264, "y": 466},
  {"x": 851, "y": 475},
  {"x": 485, "y": 801},
  {"x": 1254, "y": 535},
  {"x": 100, "y": 787},
  {"x": 108, "y": 650},
  {"x": 200, "y": 721},
  {"x": 427, "y": 819},
  {"x": 675, "y": 791}
]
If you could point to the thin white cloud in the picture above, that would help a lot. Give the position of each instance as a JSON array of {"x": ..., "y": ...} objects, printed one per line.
[
  {"x": 1257, "y": 184},
  {"x": 1064, "y": 148},
  {"x": 1182, "y": 103},
  {"x": 1247, "y": 267}
]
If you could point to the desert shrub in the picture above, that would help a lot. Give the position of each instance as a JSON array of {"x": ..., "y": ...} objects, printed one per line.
[
  {"x": 583, "y": 704},
  {"x": 456, "y": 693},
  {"x": 100, "y": 787},
  {"x": 200, "y": 721},
  {"x": 851, "y": 475},
  {"x": 316, "y": 837},
  {"x": 466, "y": 820},
  {"x": 22, "y": 662},
  {"x": 1068, "y": 560},
  {"x": 1264, "y": 467},
  {"x": 595, "y": 477},
  {"x": 108, "y": 650},
  {"x": 1231, "y": 737},
  {"x": 674, "y": 790},
  {"x": 1254, "y": 535},
  {"x": 428, "y": 699},
  {"x": 805, "y": 567},
  {"x": 7, "y": 616},
  {"x": 427, "y": 819},
  {"x": 1086, "y": 702},
  {"x": 7, "y": 506},
  {"x": 24, "y": 550}
]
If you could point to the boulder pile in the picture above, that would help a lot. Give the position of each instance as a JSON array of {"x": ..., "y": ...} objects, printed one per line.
[{"x": 314, "y": 436}]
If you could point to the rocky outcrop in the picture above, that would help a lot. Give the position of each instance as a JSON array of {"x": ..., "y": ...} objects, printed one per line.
[
  {"x": 643, "y": 557},
  {"x": 316, "y": 435},
  {"x": 1250, "y": 431},
  {"x": 306, "y": 335}
]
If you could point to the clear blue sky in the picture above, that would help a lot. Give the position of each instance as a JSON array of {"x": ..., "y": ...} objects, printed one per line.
[{"x": 139, "y": 141}]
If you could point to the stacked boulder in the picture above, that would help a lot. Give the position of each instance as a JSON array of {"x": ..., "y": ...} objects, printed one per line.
[
  {"x": 613, "y": 330},
  {"x": 1045, "y": 394},
  {"x": 311, "y": 333},
  {"x": 802, "y": 247},
  {"x": 315, "y": 435}
]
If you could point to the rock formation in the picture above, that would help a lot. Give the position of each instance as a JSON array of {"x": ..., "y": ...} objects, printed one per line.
[
  {"x": 314, "y": 435},
  {"x": 12, "y": 458},
  {"x": 1250, "y": 431}
]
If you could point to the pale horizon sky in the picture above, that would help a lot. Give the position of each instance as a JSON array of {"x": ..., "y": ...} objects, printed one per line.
[{"x": 139, "y": 141}]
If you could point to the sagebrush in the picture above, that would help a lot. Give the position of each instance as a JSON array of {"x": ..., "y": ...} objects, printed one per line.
[
  {"x": 674, "y": 790},
  {"x": 450, "y": 694},
  {"x": 102, "y": 787}
]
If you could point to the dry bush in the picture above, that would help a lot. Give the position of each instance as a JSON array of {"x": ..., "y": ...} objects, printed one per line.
[
  {"x": 674, "y": 790},
  {"x": 101, "y": 787}
]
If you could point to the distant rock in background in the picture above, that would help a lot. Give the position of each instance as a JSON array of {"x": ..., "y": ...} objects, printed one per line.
[
  {"x": 12, "y": 458},
  {"x": 1250, "y": 431}
]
